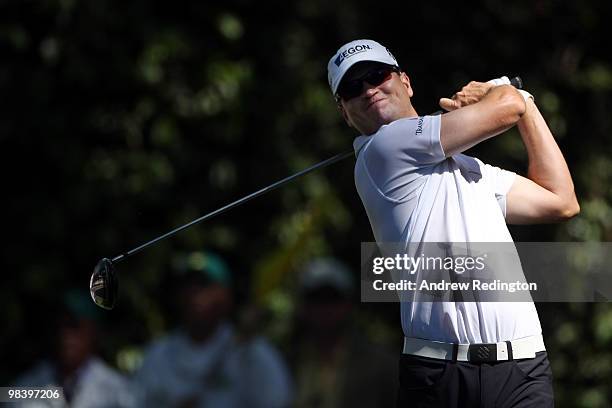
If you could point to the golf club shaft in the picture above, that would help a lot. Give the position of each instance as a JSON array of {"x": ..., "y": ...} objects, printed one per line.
[
  {"x": 236, "y": 203},
  {"x": 516, "y": 82}
]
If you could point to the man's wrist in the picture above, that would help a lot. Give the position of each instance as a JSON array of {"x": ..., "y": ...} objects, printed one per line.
[
  {"x": 500, "y": 81},
  {"x": 526, "y": 95},
  {"x": 504, "y": 80}
]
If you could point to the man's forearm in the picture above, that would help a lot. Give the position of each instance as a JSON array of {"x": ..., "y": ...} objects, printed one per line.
[
  {"x": 479, "y": 112},
  {"x": 547, "y": 166}
]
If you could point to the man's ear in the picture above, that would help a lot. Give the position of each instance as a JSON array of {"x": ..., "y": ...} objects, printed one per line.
[{"x": 406, "y": 81}]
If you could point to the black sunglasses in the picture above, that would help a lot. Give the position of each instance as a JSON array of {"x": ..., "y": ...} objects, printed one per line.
[{"x": 352, "y": 88}]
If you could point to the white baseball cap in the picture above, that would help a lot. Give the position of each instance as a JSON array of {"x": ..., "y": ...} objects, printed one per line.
[
  {"x": 326, "y": 271},
  {"x": 353, "y": 52}
]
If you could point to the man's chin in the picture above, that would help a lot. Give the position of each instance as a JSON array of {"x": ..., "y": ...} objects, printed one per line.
[
  {"x": 373, "y": 128},
  {"x": 375, "y": 121},
  {"x": 384, "y": 118},
  {"x": 383, "y": 112}
]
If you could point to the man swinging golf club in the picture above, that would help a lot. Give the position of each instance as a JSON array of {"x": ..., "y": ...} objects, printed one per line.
[{"x": 417, "y": 187}]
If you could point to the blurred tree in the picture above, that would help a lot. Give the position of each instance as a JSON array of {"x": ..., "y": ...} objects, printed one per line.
[{"x": 122, "y": 121}]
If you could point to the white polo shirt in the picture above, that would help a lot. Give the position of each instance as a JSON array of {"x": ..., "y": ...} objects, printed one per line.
[
  {"x": 220, "y": 372},
  {"x": 412, "y": 193}
]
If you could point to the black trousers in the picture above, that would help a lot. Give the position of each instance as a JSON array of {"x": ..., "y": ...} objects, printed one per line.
[{"x": 426, "y": 382}]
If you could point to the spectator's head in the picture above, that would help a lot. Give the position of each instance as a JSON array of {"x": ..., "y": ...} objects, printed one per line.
[
  {"x": 326, "y": 290},
  {"x": 76, "y": 329},
  {"x": 204, "y": 293}
]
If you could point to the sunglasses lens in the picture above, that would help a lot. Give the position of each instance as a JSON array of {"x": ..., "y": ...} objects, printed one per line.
[
  {"x": 378, "y": 77},
  {"x": 352, "y": 88}
]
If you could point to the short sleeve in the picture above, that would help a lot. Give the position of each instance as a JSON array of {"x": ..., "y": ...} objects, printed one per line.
[
  {"x": 500, "y": 181},
  {"x": 408, "y": 141},
  {"x": 395, "y": 155}
]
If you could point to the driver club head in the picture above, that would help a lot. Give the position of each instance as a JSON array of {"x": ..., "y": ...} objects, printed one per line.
[{"x": 103, "y": 285}]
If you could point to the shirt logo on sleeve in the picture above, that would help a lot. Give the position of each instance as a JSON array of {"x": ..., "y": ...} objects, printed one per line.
[{"x": 419, "y": 128}]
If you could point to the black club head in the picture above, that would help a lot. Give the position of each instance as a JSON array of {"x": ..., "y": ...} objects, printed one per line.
[{"x": 103, "y": 285}]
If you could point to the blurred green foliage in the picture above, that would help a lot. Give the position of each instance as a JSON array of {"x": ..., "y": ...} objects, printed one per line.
[{"x": 124, "y": 120}]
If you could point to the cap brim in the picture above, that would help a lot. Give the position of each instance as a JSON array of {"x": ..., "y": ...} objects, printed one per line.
[{"x": 342, "y": 72}]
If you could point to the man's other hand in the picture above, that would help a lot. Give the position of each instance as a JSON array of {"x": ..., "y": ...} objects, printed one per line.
[{"x": 469, "y": 94}]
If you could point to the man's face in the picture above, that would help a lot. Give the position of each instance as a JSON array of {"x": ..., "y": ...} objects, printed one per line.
[
  {"x": 203, "y": 307},
  {"x": 376, "y": 105},
  {"x": 75, "y": 342},
  {"x": 325, "y": 311}
]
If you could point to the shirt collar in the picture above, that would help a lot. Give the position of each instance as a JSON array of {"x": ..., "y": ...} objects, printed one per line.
[{"x": 360, "y": 142}]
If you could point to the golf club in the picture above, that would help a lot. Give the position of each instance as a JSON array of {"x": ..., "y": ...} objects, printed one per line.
[{"x": 104, "y": 285}]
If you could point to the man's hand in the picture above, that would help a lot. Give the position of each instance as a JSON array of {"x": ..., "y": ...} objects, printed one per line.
[
  {"x": 469, "y": 94},
  {"x": 487, "y": 110}
]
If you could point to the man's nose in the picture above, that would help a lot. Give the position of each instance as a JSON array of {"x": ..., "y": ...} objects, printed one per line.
[{"x": 369, "y": 90}]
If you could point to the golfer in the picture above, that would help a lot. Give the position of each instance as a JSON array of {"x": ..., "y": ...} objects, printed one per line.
[{"x": 417, "y": 186}]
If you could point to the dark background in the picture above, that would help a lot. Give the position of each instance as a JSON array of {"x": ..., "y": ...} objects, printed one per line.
[{"x": 122, "y": 120}]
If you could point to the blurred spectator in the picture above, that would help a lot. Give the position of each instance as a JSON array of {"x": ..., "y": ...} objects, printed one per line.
[
  {"x": 206, "y": 362},
  {"x": 334, "y": 364},
  {"x": 88, "y": 382}
]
